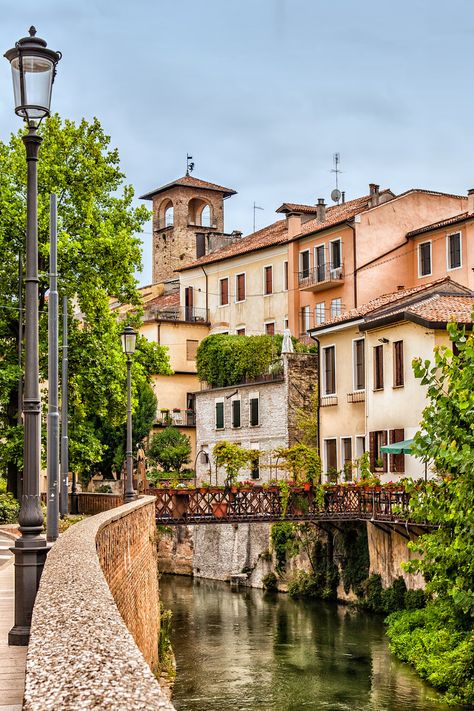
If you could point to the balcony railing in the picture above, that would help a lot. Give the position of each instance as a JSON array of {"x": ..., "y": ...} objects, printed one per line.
[
  {"x": 357, "y": 396},
  {"x": 188, "y": 314},
  {"x": 324, "y": 276},
  {"x": 177, "y": 417}
]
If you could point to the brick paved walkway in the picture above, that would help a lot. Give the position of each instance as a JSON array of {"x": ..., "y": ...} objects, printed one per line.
[{"x": 12, "y": 659}]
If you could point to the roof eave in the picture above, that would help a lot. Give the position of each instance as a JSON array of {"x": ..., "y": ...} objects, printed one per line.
[{"x": 331, "y": 328}]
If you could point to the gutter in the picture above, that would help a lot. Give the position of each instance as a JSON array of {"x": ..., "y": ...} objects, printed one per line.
[
  {"x": 354, "y": 252},
  {"x": 207, "y": 293},
  {"x": 318, "y": 416},
  {"x": 407, "y": 316}
]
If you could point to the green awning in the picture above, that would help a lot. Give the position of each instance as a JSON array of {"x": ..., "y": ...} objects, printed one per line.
[{"x": 403, "y": 447}]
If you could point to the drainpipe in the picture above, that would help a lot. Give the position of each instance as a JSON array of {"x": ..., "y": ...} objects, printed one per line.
[
  {"x": 354, "y": 252},
  {"x": 319, "y": 391},
  {"x": 207, "y": 293}
]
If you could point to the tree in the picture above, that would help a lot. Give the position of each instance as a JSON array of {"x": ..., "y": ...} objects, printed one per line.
[
  {"x": 98, "y": 254},
  {"x": 439, "y": 640},
  {"x": 170, "y": 449},
  {"x": 233, "y": 457}
]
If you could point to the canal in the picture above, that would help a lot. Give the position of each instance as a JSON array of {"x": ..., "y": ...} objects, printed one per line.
[{"x": 246, "y": 650}]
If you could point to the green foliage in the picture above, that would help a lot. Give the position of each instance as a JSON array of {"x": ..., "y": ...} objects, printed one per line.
[
  {"x": 170, "y": 449},
  {"x": 304, "y": 584},
  {"x": 323, "y": 579},
  {"x": 393, "y": 598},
  {"x": 440, "y": 650},
  {"x": 415, "y": 599},
  {"x": 269, "y": 582},
  {"x": 307, "y": 420},
  {"x": 364, "y": 466},
  {"x": 98, "y": 254},
  {"x": 233, "y": 458},
  {"x": 227, "y": 360},
  {"x": 9, "y": 508},
  {"x": 355, "y": 558},
  {"x": 103, "y": 489},
  {"x": 284, "y": 543},
  {"x": 302, "y": 463}
]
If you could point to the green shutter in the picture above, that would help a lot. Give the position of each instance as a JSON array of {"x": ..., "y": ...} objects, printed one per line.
[
  {"x": 219, "y": 415},
  {"x": 254, "y": 411},
  {"x": 235, "y": 413}
]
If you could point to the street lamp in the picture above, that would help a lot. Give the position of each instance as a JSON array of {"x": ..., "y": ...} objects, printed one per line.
[
  {"x": 33, "y": 70},
  {"x": 129, "y": 338}
]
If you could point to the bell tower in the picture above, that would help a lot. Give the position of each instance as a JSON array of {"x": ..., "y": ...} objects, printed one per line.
[{"x": 186, "y": 213}]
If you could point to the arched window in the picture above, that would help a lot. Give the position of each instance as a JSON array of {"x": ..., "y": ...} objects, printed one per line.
[
  {"x": 166, "y": 214},
  {"x": 199, "y": 213},
  {"x": 169, "y": 216},
  {"x": 206, "y": 216}
]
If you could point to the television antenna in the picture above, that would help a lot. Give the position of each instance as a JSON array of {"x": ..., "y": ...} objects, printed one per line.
[
  {"x": 336, "y": 193},
  {"x": 189, "y": 164},
  {"x": 255, "y": 208}
]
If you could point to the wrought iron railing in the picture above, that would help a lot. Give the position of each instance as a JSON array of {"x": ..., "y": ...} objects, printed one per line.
[
  {"x": 189, "y": 314},
  {"x": 320, "y": 274},
  {"x": 256, "y": 503}
]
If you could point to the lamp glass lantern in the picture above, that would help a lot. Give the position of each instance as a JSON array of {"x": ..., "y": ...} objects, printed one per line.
[
  {"x": 129, "y": 339},
  {"x": 33, "y": 70}
]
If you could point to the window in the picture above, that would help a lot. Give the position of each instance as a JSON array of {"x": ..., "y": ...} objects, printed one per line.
[
  {"x": 285, "y": 323},
  {"x": 206, "y": 216},
  {"x": 424, "y": 259},
  {"x": 397, "y": 461},
  {"x": 454, "y": 250},
  {"x": 169, "y": 216},
  {"x": 398, "y": 374},
  {"x": 236, "y": 413},
  {"x": 320, "y": 313},
  {"x": 378, "y": 461},
  {"x": 224, "y": 291},
  {"x": 270, "y": 328},
  {"x": 240, "y": 331},
  {"x": 191, "y": 349},
  {"x": 346, "y": 451},
  {"x": 359, "y": 364},
  {"x": 240, "y": 287},
  {"x": 219, "y": 414},
  {"x": 329, "y": 360},
  {"x": 336, "y": 307},
  {"x": 378, "y": 368},
  {"x": 330, "y": 452},
  {"x": 268, "y": 280},
  {"x": 305, "y": 319},
  {"x": 254, "y": 410},
  {"x": 304, "y": 264},
  {"x": 285, "y": 276},
  {"x": 320, "y": 262},
  {"x": 360, "y": 446},
  {"x": 336, "y": 254},
  {"x": 255, "y": 463}
]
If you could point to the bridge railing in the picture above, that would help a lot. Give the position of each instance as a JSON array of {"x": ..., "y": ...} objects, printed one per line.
[{"x": 258, "y": 503}]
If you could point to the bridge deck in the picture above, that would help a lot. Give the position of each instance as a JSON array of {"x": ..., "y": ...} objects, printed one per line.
[{"x": 258, "y": 504}]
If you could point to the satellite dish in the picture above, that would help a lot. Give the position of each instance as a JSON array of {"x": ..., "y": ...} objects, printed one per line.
[{"x": 336, "y": 195}]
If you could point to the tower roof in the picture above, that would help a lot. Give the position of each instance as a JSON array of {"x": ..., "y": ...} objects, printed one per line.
[{"x": 188, "y": 181}]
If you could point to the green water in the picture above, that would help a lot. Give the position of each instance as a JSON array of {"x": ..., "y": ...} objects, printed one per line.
[{"x": 248, "y": 650}]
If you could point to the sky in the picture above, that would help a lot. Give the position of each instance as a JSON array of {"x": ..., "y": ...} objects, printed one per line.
[{"x": 262, "y": 93}]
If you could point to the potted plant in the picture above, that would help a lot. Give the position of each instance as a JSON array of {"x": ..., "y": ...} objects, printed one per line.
[{"x": 379, "y": 465}]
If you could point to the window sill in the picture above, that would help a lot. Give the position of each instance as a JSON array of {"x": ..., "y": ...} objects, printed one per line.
[
  {"x": 378, "y": 390},
  {"x": 398, "y": 387}
]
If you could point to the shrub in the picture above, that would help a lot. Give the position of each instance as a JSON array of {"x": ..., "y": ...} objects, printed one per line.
[
  {"x": 393, "y": 598},
  {"x": 415, "y": 599},
  {"x": 284, "y": 542},
  {"x": 9, "y": 508},
  {"x": 305, "y": 585},
  {"x": 170, "y": 449},
  {"x": 103, "y": 489},
  {"x": 269, "y": 582}
]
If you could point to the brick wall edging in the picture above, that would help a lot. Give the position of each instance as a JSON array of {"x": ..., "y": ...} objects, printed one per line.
[{"x": 81, "y": 654}]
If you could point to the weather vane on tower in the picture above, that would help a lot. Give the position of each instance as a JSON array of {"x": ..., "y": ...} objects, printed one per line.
[{"x": 189, "y": 164}]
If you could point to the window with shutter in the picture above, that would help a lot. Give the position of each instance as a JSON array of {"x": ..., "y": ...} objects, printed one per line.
[
  {"x": 224, "y": 292},
  {"x": 424, "y": 259},
  {"x": 397, "y": 461},
  {"x": 285, "y": 276},
  {"x": 240, "y": 287},
  {"x": 268, "y": 280},
  {"x": 270, "y": 328},
  {"x": 219, "y": 415},
  {"x": 304, "y": 264},
  {"x": 336, "y": 254},
  {"x": 235, "y": 413},
  {"x": 359, "y": 364},
  {"x": 454, "y": 250},
  {"x": 254, "y": 413},
  {"x": 329, "y": 356},
  {"x": 398, "y": 371},
  {"x": 378, "y": 368}
]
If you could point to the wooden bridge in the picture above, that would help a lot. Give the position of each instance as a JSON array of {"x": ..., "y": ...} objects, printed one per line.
[{"x": 384, "y": 506}]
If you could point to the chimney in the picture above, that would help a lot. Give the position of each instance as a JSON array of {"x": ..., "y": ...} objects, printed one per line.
[
  {"x": 321, "y": 210},
  {"x": 374, "y": 194},
  {"x": 343, "y": 197},
  {"x": 293, "y": 222},
  {"x": 470, "y": 200}
]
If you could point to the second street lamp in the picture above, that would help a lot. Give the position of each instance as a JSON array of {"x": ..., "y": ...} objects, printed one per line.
[
  {"x": 129, "y": 339},
  {"x": 33, "y": 70}
]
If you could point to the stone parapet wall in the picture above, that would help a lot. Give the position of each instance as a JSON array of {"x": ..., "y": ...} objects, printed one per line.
[{"x": 81, "y": 654}]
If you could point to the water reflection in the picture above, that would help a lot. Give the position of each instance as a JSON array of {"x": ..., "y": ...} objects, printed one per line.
[{"x": 246, "y": 650}]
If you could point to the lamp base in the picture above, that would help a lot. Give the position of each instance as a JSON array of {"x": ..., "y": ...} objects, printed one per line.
[{"x": 30, "y": 557}]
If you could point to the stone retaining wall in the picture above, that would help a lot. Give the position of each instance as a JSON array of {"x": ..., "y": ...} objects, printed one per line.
[{"x": 81, "y": 654}]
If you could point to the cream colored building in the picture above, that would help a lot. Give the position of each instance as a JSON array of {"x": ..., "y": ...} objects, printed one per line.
[{"x": 369, "y": 395}]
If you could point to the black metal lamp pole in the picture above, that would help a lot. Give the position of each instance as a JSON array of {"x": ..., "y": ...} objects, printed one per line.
[
  {"x": 129, "y": 338},
  {"x": 33, "y": 69}
]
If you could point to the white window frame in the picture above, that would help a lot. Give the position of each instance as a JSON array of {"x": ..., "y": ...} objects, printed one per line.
[
  {"x": 420, "y": 275},
  {"x": 342, "y": 438},
  {"x": 303, "y": 251},
  {"x": 266, "y": 266},
  {"x": 216, "y": 401},
  {"x": 306, "y": 316},
  {"x": 286, "y": 323},
  {"x": 266, "y": 323},
  {"x": 324, "y": 264},
  {"x": 331, "y": 242},
  {"x": 286, "y": 275},
  {"x": 240, "y": 327},
  {"x": 325, "y": 456},
  {"x": 451, "y": 234},
  {"x": 254, "y": 396},
  {"x": 354, "y": 388},
  {"x": 228, "y": 291},
  {"x": 244, "y": 274},
  {"x": 339, "y": 313},
  {"x": 323, "y": 373},
  {"x": 318, "y": 322},
  {"x": 358, "y": 438}
]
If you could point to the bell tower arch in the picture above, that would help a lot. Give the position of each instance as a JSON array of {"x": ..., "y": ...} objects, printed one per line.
[{"x": 183, "y": 211}]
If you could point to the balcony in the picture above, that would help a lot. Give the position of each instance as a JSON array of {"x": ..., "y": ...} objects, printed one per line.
[
  {"x": 324, "y": 276},
  {"x": 356, "y": 396},
  {"x": 328, "y": 401},
  {"x": 176, "y": 417},
  {"x": 186, "y": 314}
]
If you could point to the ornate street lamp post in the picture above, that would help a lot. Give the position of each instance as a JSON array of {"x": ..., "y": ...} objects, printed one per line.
[
  {"x": 33, "y": 69},
  {"x": 129, "y": 338}
]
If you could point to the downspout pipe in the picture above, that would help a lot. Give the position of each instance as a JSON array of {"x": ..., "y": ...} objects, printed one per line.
[
  {"x": 319, "y": 392},
  {"x": 207, "y": 293},
  {"x": 354, "y": 252}
]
